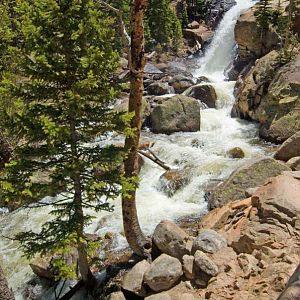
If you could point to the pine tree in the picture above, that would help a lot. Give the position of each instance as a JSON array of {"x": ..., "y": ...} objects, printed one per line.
[
  {"x": 263, "y": 14},
  {"x": 164, "y": 25},
  {"x": 64, "y": 94}
]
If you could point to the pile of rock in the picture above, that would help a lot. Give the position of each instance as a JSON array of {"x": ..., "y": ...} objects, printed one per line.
[
  {"x": 180, "y": 257},
  {"x": 246, "y": 249}
]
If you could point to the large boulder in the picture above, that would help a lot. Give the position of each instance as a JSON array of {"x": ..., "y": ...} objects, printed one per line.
[
  {"x": 255, "y": 85},
  {"x": 247, "y": 35},
  {"x": 164, "y": 273},
  {"x": 174, "y": 114},
  {"x": 206, "y": 93},
  {"x": 133, "y": 280},
  {"x": 289, "y": 149},
  {"x": 171, "y": 239},
  {"x": 270, "y": 95},
  {"x": 279, "y": 110},
  {"x": 251, "y": 175}
]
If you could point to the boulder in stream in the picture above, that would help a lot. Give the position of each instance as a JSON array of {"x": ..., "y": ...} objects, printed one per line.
[
  {"x": 205, "y": 93},
  {"x": 174, "y": 114}
]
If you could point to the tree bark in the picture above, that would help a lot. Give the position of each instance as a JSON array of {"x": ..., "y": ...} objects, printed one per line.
[
  {"x": 85, "y": 272},
  {"x": 5, "y": 291},
  {"x": 134, "y": 235}
]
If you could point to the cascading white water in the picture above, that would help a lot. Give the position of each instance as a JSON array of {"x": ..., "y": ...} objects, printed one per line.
[
  {"x": 207, "y": 161},
  {"x": 219, "y": 54}
]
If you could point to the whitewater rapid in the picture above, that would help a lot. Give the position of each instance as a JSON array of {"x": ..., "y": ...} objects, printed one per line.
[{"x": 208, "y": 162}]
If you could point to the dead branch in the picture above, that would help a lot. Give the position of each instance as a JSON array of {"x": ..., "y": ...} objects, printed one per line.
[{"x": 150, "y": 155}]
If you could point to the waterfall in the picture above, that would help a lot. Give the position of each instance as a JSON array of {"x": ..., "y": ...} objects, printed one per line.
[
  {"x": 204, "y": 152},
  {"x": 219, "y": 54}
]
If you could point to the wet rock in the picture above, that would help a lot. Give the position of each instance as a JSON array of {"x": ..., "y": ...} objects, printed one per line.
[
  {"x": 236, "y": 152},
  {"x": 180, "y": 83},
  {"x": 205, "y": 264},
  {"x": 294, "y": 163},
  {"x": 204, "y": 92},
  {"x": 174, "y": 114},
  {"x": 116, "y": 296},
  {"x": 133, "y": 280},
  {"x": 216, "y": 11},
  {"x": 164, "y": 272},
  {"x": 201, "y": 35},
  {"x": 250, "y": 175},
  {"x": 209, "y": 241},
  {"x": 171, "y": 239},
  {"x": 289, "y": 149},
  {"x": 203, "y": 79},
  {"x": 160, "y": 88},
  {"x": 173, "y": 180},
  {"x": 160, "y": 296}
]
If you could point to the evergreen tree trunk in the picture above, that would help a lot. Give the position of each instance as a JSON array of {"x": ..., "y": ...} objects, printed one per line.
[
  {"x": 134, "y": 235},
  {"x": 5, "y": 291},
  {"x": 83, "y": 265},
  {"x": 5, "y": 151}
]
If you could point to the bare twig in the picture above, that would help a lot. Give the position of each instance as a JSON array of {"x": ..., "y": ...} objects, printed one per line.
[{"x": 154, "y": 158}]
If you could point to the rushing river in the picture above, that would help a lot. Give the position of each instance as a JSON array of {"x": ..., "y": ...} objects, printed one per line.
[{"x": 203, "y": 151}]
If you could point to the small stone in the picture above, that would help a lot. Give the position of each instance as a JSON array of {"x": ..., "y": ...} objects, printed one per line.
[
  {"x": 236, "y": 152},
  {"x": 188, "y": 266},
  {"x": 248, "y": 263},
  {"x": 189, "y": 285},
  {"x": 133, "y": 280},
  {"x": 205, "y": 264},
  {"x": 209, "y": 241},
  {"x": 163, "y": 273}
]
